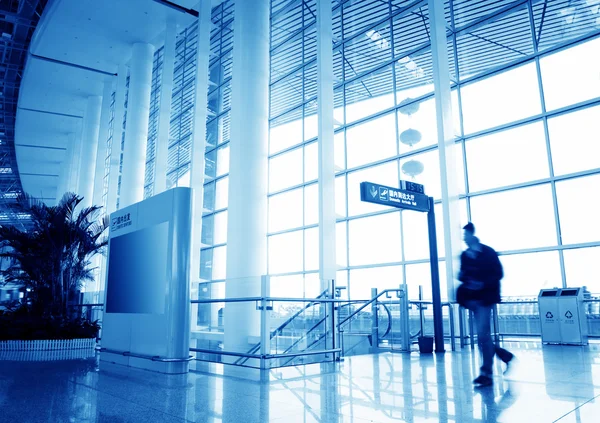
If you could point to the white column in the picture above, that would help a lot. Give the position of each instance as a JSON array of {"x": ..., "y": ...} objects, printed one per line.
[
  {"x": 89, "y": 147},
  {"x": 76, "y": 142},
  {"x": 447, "y": 148},
  {"x": 115, "y": 155},
  {"x": 102, "y": 137},
  {"x": 164, "y": 118},
  {"x": 65, "y": 170},
  {"x": 136, "y": 132},
  {"x": 199, "y": 135},
  {"x": 327, "y": 219},
  {"x": 247, "y": 217}
]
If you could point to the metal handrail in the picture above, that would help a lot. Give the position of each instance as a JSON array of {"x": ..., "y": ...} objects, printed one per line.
[
  {"x": 272, "y": 334},
  {"x": 371, "y": 301}
]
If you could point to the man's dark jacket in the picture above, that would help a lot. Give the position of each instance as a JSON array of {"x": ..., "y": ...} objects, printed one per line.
[{"x": 483, "y": 267}]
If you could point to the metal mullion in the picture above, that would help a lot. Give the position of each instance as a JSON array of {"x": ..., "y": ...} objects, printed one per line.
[{"x": 294, "y": 229}]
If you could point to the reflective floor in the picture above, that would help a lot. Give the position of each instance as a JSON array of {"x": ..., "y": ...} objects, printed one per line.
[{"x": 548, "y": 384}]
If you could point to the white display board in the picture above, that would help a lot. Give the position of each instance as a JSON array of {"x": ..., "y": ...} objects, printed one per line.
[{"x": 146, "y": 321}]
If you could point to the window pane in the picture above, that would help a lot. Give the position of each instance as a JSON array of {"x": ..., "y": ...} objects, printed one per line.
[
  {"x": 362, "y": 280},
  {"x": 311, "y": 121},
  {"x": 371, "y": 141},
  {"x": 420, "y": 274},
  {"x": 285, "y": 170},
  {"x": 571, "y": 76},
  {"x": 367, "y": 96},
  {"x": 418, "y": 117},
  {"x": 208, "y": 226},
  {"x": 341, "y": 245},
  {"x": 311, "y": 162},
  {"x": 526, "y": 274},
  {"x": 222, "y": 193},
  {"x": 339, "y": 151},
  {"x": 208, "y": 203},
  {"x": 285, "y": 252},
  {"x": 508, "y": 157},
  {"x": 285, "y": 131},
  {"x": 578, "y": 215},
  {"x": 502, "y": 98},
  {"x": 416, "y": 234},
  {"x": 206, "y": 264},
  {"x": 582, "y": 266},
  {"x": 291, "y": 286},
  {"x": 311, "y": 204},
  {"x": 386, "y": 174},
  {"x": 285, "y": 210},
  {"x": 375, "y": 240},
  {"x": 430, "y": 177},
  {"x": 219, "y": 262},
  {"x": 515, "y": 219},
  {"x": 311, "y": 249},
  {"x": 223, "y": 160},
  {"x": 574, "y": 141},
  {"x": 220, "y": 228}
]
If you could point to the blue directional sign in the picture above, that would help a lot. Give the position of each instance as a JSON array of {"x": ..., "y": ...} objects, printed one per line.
[{"x": 393, "y": 197}]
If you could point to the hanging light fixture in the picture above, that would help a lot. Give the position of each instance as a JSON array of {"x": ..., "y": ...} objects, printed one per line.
[
  {"x": 408, "y": 109},
  {"x": 410, "y": 137},
  {"x": 413, "y": 168}
]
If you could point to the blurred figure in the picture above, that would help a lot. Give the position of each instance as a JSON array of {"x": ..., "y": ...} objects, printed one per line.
[
  {"x": 494, "y": 409},
  {"x": 480, "y": 274}
]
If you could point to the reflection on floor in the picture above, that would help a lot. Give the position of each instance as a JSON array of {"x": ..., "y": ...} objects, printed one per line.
[{"x": 548, "y": 384}]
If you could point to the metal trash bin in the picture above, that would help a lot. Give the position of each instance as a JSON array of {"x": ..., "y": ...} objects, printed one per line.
[
  {"x": 549, "y": 315},
  {"x": 573, "y": 319}
]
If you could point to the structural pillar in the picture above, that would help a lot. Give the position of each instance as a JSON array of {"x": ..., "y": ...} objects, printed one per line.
[
  {"x": 448, "y": 153},
  {"x": 136, "y": 131},
  {"x": 102, "y": 138},
  {"x": 89, "y": 147},
  {"x": 164, "y": 117},
  {"x": 118, "y": 129},
  {"x": 327, "y": 218},
  {"x": 248, "y": 177},
  {"x": 64, "y": 184},
  {"x": 75, "y": 142}
]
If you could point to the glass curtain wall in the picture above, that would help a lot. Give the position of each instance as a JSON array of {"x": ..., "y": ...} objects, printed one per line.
[
  {"x": 524, "y": 100},
  {"x": 157, "y": 70}
]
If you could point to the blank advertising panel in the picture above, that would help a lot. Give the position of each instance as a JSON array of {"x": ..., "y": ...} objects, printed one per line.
[{"x": 137, "y": 271}]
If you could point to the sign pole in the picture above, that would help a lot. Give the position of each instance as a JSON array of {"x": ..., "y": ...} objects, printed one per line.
[{"x": 438, "y": 324}]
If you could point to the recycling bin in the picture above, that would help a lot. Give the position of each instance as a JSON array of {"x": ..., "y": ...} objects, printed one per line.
[
  {"x": 572, "y": 317},
  {"x": 549, "y": 315}
]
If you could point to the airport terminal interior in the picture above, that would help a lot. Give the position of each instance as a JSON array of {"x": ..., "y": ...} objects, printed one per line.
[{"x": 283, "y": 186}]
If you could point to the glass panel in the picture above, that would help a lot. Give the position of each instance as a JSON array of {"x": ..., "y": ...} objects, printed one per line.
[
  {"x": 311, "y": 204},
  {"x": 526, "y": 274},
  {"x": 210, "y": 166},
  {"x": 386, "y": 174},
  {"x": 515, "y": 219},
  {"x": 577, "y": 212},
  {"x": 206, "y": 264},
  {"x": 285, "y": 170},
  {"x": 286, "y": 252},
  {"x": 220, "y": 228},
  {"x": 222, "y": 193},
  {"x": 571, "y": 76},
  {"x": 208, "y": 228},
  {"x": 582, "y": 266},
  {"x": 311, "y": 249},
  {"x": 223, "y": 160},
  {"x": 574, "y": 141},
  {"x": 341, "y": 244},
  {"x": 417, "y": 127},
  {"x": 369, "y": 95},
  {"x": 291, "y": 286},
  {"x": 420, "y": 274},
  {"x": 285, "y": 131},
  {"x": 416, "y": 234},
  {"x": 339, "y": 151},
  {"x": 311, "y": 121},
  {"x": 371, "y": 141},
  {"x": 362, "y": 280},
  {"x": 375, "y": 240},
  {"x": 502, "y": 98},
  {"x": 285, "y": 210},
  {"x": 508, "y": 157},
  {"x": 219, "y": 262},
  {"x": 208, "y": 202},
  {"x": 311, "y": 162}
]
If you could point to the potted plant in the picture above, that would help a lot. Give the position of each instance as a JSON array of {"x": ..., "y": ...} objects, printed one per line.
[{"x": 51, "y": 261}]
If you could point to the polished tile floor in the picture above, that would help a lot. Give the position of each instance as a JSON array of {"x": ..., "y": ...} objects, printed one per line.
[{"x": 548, "y": 384}]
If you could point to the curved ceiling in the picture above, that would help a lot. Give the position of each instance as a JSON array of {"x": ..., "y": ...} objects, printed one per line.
[{"x": 77, "y": 45}]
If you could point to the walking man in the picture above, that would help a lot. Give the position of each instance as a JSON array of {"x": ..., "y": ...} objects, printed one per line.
[{"x": 480, "y": 274}]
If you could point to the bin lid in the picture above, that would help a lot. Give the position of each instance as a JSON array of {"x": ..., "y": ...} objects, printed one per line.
[
  {"x": 548, "y": 293},
  {"x": 571, "y": 292}
]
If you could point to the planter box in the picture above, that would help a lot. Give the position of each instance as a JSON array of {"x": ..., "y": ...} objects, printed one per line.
[{"x": 48, "y": 349}]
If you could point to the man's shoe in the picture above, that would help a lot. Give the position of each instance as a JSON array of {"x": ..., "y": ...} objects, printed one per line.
[
  {"x": 483, "y": 380},
  {"x": 509, "y": 363}
]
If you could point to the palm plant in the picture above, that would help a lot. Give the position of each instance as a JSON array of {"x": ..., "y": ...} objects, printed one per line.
[{"x": 52, "y": 259}]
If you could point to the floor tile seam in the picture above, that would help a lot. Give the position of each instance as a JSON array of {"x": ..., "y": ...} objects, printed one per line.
[
  {"x": 131, "y": 402},
  {"x": 576, "y": 408}
]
